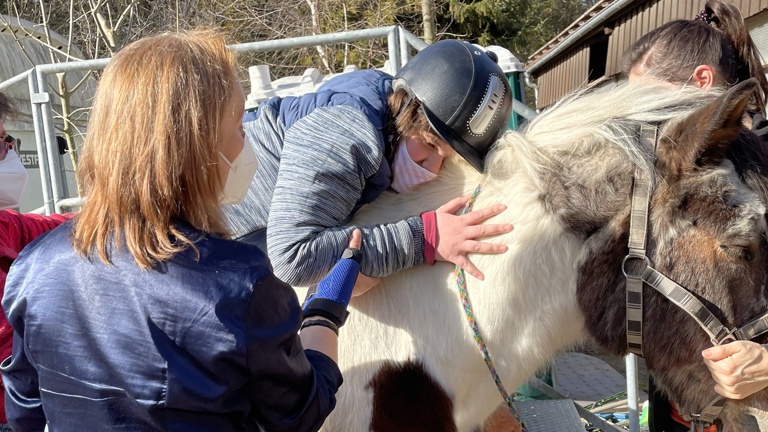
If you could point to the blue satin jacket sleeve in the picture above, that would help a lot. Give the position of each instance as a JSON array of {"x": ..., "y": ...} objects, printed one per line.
[
  {"x": 279, "y": 368},
  {"x": 290, "y": 389},
  {"x": 203, "y": 344},
  {"x": 22, "y": 391}
]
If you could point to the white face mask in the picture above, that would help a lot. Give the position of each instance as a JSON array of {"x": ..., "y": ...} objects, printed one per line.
[
  {"x": 13, "y": 180},
  {"x": 241, "y": 171},
  {"x": 406, "y": 173}
]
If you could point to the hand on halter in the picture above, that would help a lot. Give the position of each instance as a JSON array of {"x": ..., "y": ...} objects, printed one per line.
[
  {"x": 739, "y": 368},
  {"x": 458, "y": 235}
]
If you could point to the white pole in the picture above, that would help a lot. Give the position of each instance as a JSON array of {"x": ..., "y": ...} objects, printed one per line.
[{"x": 632, "y": 393}]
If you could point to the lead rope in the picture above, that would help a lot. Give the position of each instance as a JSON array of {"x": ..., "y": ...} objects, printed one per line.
[{"x": 462, "y": 284}]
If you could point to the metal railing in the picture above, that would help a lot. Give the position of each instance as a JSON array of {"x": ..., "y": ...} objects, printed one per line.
[{"x": 400, "y": 42}]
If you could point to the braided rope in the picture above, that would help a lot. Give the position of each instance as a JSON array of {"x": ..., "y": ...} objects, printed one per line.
[{"x": 462, "y": 285}]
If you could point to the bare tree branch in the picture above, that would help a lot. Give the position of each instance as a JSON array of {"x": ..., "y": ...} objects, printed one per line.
[{"x": 313, "y": 6}]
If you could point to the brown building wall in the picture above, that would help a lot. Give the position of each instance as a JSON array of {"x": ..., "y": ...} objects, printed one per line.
[
  {"x": 571, "y": 69},
  {"x": 565, "y": 75}
]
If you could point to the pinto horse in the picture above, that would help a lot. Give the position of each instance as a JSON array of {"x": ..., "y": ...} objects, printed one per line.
[{"x": 408, "y": 357}]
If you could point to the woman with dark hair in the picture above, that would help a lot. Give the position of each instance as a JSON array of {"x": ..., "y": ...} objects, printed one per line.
[{"x": 712, "y": 50}]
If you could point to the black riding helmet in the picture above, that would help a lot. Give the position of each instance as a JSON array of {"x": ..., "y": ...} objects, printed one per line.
[{"x": 463, "y": 93}]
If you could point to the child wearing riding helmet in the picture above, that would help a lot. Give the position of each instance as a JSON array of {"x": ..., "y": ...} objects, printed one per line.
[
  {"x": 323, "y": 155},
  {"x": 712, "y": 50}
]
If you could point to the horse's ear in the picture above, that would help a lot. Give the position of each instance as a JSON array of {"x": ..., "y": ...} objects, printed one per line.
[{"x": 703, "y": 138}]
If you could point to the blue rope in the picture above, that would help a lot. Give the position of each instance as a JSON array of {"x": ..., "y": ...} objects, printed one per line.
[{"x": 462, "y": 283}]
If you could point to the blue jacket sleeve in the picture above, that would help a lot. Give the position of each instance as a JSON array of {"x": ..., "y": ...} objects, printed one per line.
[
  {"x": 23, "y": 405},
  {"x": 327, "y": 157},
  {"x": 290, "y": 389}
]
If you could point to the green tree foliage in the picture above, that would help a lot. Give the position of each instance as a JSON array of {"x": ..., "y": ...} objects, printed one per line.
[{"x": 522, "y": 26}]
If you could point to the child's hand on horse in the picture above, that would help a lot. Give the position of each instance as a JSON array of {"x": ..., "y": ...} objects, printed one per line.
[{"x": 458, "y": 235}]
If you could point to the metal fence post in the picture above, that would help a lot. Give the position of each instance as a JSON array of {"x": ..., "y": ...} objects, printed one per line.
[
  {"x": 632, "y": 393},
  {"x": 45, "y": 173},
  {"x": 405, "y": 47},
  {"x": 393, "y": 45},
  {"x": 54, "y": 164}
]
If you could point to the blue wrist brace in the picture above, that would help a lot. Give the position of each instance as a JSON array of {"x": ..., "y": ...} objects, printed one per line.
[{"x": 334, "y": 292}]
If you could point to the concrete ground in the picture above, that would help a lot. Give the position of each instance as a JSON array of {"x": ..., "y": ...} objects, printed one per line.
[{"x": 502, "y": 421}]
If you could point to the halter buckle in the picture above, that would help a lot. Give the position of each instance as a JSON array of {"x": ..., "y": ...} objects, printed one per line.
[
  {"x": 634, "y": 256},
  {"x": 697, "y": 425},
  {"x": 723, "y": 335}
]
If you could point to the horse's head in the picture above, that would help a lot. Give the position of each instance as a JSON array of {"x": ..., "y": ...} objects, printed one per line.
[{"x": 706, "y": 232}]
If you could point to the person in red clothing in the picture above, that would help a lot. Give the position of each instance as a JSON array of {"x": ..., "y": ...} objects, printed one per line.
[{"x": 16, "y": 229}]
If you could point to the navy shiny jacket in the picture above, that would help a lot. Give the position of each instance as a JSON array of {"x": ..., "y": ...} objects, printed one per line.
[{"x": 201, "y": 343}]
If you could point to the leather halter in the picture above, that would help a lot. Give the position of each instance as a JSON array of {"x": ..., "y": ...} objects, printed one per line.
[{"x": 684, "y": 299}]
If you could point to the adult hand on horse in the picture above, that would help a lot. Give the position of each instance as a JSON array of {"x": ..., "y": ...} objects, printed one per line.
[
  {"x": 739, "y": 368},
  {"x": 458, "y": 235}
]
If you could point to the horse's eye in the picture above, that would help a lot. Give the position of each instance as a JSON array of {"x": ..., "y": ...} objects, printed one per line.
[{"x": 743, "y": 253}]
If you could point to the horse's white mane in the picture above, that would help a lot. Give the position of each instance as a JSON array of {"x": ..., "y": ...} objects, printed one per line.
[
  {"x": 602, "y": 123},
  {"x": 612, "y": 115}
]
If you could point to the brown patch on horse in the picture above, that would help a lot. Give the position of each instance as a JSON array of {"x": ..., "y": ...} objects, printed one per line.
[
  {"x": 407, "y": 399},
  {"x": 501, "y": 420},
  {"x": 599, "y": 284},
  {"x": 585, "y": 197}
]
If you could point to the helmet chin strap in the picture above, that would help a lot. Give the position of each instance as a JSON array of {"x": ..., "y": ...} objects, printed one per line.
[{"x": 404, "y": 106}]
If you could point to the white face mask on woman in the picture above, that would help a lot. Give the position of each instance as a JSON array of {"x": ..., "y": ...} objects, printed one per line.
[
  {"x": 406, "y": 173},
  {"x": 13, "y": 180},
  {"x": 241, "y": 172}
]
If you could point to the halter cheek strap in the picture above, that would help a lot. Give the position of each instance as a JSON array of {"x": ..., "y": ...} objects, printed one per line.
[{"x": 638, "y": 233}]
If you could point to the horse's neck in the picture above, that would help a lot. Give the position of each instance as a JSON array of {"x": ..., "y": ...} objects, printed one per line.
[
  {"x": 530, "y": 290},
  {"x": 531, "y": 285},
  {"x": 558, "y": 206},
  {"x": 526, "y": 307}
]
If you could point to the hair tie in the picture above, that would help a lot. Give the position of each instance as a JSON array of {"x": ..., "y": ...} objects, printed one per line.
[{"x": 703, "y": 16}]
